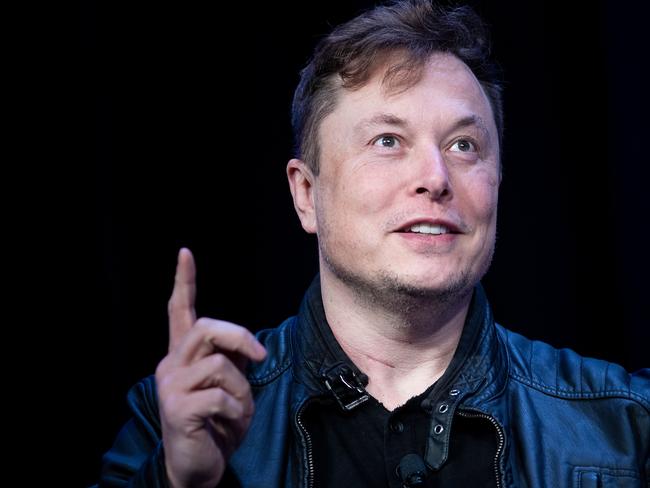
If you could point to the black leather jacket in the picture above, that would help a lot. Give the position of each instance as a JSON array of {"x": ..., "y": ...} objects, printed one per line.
[{"x": 562, "y": 420}]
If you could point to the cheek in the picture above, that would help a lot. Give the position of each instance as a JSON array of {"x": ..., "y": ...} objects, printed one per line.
[
  {"x": 366, "y": 191},
  {"x": 480, "y": 194}
]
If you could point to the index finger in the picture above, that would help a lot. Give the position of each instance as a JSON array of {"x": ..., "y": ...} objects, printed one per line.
[{"x": 182, "y": 313}]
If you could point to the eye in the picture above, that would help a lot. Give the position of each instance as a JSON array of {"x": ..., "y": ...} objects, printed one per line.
[
  {"x": 386, "y": 141},
  {"x": 463, "y": 145}
]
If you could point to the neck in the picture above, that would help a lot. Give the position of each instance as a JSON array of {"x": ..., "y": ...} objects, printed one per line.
[{"x": 403, "y": 349}]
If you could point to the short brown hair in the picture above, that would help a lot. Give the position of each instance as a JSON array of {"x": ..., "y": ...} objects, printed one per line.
[{"x": 416, "y": 29}]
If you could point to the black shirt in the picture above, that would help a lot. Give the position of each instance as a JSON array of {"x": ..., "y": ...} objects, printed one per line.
[{"x": 365, "y": 445}]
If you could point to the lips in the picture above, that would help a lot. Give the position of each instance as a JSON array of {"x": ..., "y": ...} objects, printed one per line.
[{"x": 430, "y": 226}]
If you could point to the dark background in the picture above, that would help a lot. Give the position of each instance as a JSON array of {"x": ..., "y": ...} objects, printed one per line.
[{"x": 183, "y": 136}]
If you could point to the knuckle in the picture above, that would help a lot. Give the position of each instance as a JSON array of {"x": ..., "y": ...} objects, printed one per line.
[
  {"x": 218, "y": 361},
  {"x": 245, "y": 393},
  {"x": 161, "y": 369},
  {"x": 188, "y": 430},
  {"x": 172, "y": 404},
  {"x": 204, "y": 323},
  {"x": 163, "y": 381},
  {"x": 225, "y": 407},
  {"x": 164, "y": 384},
  {"x": 218, "y": 399},
  {"x": 232, "y": 328},
  {"x": 248, "y": 409},
  {"x": 242, "y": 389},
  {"x": 174, "y": 302}
]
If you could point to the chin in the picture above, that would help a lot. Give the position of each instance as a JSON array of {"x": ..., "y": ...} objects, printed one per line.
[
  {"x": 439, "y": 287},
  {"x": 405, "y": 285},
  {"x": 431, "y": 277}
]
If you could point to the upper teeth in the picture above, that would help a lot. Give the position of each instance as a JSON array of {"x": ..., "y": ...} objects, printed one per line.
[{"x": 429, "y": 229}]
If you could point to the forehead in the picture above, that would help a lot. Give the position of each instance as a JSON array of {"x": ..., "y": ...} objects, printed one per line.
[{"x": 445, "y": 88}]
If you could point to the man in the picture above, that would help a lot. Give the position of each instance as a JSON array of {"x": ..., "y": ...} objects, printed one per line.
[{"x": 393, "y": 373}]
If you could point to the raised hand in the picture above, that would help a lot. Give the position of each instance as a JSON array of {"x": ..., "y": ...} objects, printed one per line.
[{"x": 205, "y": 401}]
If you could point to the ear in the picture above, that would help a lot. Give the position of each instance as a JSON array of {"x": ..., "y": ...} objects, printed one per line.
[{"x": 301, "y": 184}]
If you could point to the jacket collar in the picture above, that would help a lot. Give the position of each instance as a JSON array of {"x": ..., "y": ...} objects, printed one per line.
[
  {"x": 477, "y": 371},
  {"x": 320, "y": 362}
]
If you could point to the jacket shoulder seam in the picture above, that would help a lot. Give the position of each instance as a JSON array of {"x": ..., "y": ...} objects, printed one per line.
[
  {"x": 271, "y": 375},
  {"x": 571, "y": 394}
]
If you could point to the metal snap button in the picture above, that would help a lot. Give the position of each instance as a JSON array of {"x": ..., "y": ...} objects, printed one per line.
[
  {"x": 438, "y": 429},
  {"x": 454, "y": 392},
  {"x": 443, "y": 408}
]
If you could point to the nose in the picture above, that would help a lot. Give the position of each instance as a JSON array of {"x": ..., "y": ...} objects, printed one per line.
[{"x": 432, "y": 175}]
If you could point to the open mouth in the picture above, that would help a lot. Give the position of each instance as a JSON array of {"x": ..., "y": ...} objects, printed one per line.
[{"x": 429, "y": 229}]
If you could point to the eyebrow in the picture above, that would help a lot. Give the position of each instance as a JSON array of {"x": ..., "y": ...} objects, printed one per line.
[
  {"x": 471, "y": 120},
  {"x": 394, "y": 120},
  {"x": 380, "y": 119}
]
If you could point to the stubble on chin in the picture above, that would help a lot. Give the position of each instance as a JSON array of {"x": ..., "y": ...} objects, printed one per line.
[{"x": 391, "y": 292}]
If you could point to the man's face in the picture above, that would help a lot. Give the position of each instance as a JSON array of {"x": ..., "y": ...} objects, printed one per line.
[{"x": 406, "y": 198}]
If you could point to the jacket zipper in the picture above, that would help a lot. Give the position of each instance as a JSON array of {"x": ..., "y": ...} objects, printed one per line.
[
  {"x": 502, "y": 438},
  {"x": 307, "y": 439}
]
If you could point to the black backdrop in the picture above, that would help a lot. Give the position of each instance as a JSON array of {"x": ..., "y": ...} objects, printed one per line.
[{"x": 185, "y": 135}]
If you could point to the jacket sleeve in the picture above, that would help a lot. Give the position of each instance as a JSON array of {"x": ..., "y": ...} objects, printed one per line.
[{"x": 136, "y": 458}]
